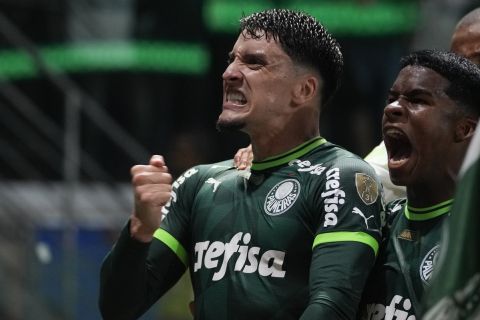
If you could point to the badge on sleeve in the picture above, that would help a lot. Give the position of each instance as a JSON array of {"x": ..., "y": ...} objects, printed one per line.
[{"x": 367, "y": 188}]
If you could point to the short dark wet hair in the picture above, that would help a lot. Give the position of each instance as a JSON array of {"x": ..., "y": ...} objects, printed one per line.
[
  {"x": 463, "y": 75},
  {"x": 304, "y": 39}
]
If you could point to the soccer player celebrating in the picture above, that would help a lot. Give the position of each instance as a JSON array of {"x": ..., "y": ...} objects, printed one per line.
[
  {"x": 294, "y": 238},
  {"x": 465, "y": 42},
  {"x": 428, "y": 123}
]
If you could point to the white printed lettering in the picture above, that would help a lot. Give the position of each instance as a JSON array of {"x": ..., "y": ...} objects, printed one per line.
[
  {"x": 330, "y": 219},
  {"x": 334, "y": 196},
  {"x": 252, "y": 259},
  {"x": 200, "y": 247},
  {"x": 230, "y": 249},
  {"x": 215, "y": 250},
  {"x": 248, "y": 259},
  {"x": 271, "y": 264}
]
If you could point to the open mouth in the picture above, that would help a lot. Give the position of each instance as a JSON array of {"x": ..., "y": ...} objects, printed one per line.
[
  {"x": 398, "y": 147},
  {"x": 236, "y": 97}
]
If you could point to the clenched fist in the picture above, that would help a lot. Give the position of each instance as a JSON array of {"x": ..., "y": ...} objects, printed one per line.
[{"x": 152, "y": 186}]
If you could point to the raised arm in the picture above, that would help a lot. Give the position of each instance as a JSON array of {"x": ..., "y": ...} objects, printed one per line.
[{"x": 129, "y": 282}]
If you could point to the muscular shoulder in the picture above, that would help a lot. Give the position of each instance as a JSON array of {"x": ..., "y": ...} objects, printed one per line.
[
  {"x": 340, "y": 173},
  {"x": 352, "y": 163},
  {"x": 355, "y": 171},
  {"x": 335, "y": 156},
  {"x": 194, "y": 178},
  {"x": 204, "y": 171}
]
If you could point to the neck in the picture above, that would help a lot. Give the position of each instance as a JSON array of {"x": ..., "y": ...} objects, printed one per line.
[
  {"x": 441, "y": 182},
  {"x": 283, "y": 136},
  {"x": 425, "y": 195},
  {"x": 268, "y": 146}
]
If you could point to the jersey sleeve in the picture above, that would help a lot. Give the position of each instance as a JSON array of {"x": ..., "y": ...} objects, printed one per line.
[
  {"x": 173, "y": 234},
  {"x": 174, "y": 229},
  {"x": 338, "y": 274},
  {"x": 349, "y": 206},
  {"x": 129, "y": 285}
]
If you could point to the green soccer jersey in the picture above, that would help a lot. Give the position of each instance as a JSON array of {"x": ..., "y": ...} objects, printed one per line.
[
  {"x": 455, "y": 291},
  {"x": 406, "y": 261},
  {"x": 295, "y": 237}
]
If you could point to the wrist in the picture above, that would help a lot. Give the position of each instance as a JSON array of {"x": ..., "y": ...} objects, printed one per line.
[{"x": 139, "y": 231}]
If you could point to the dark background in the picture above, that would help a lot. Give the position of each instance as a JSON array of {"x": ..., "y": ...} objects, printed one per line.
[{"x": 89, "y": 88}]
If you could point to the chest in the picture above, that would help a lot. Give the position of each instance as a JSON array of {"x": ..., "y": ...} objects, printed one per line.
[
  {"x": 409, "y": 260},
  {"x": 403, "y": 270},
  {"x": 413, "y": 248},
  {"x": 273, "y": 209}
]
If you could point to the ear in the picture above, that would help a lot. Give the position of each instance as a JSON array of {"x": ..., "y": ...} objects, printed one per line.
[
  {"x": 465, "y": 129},
  {"x": 305, "y": 89}
]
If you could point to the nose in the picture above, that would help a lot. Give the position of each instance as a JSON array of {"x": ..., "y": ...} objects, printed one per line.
[
  {"x": 394, "y": 111},
  {"x": 232, "y": 73}
]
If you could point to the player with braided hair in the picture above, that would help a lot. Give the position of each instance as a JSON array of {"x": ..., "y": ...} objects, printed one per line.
[{"x": 293, "y": 238}]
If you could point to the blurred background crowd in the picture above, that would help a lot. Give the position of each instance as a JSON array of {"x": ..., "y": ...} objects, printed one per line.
[{"x": 89, "y": 88}]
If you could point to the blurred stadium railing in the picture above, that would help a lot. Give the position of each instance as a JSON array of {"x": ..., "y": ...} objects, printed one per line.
[{"x": 53, "y": 235}]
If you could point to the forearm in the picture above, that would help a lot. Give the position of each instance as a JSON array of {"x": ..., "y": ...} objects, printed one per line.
[
  {"x": 134, "y": 275},
  {"x": 124, "y": 279}
]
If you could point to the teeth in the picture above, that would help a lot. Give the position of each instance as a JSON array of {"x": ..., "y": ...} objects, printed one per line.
[
  {"x": 393, "y": 132},
  {"x": 236, "y": 97}
]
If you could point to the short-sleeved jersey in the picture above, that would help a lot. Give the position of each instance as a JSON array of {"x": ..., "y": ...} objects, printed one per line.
[
  {"x": 406, "y": 261},
  {"x": 248, "y": 237}
]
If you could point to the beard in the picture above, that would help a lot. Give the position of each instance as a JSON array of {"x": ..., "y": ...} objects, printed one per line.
[{"x": 229, "y": 125}]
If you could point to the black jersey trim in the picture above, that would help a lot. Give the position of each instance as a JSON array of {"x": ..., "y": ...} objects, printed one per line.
[{"x": 288, "y": 156}]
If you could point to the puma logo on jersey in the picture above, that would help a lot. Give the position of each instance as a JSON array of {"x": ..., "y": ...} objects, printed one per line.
[
  {"x": 334, "y": 197},
  {"x": 398, "y": 309},
  {"x": 217, "y": 255},
  {"x": 215, "y": 183},
  {"x": 396, "y": 208},
  {"x": 360, "y": 213}
]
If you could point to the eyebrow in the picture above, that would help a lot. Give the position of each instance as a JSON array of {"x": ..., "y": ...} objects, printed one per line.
[
  {"x": 414, "y": 92},
  {"x": 261, "y": 57}
]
